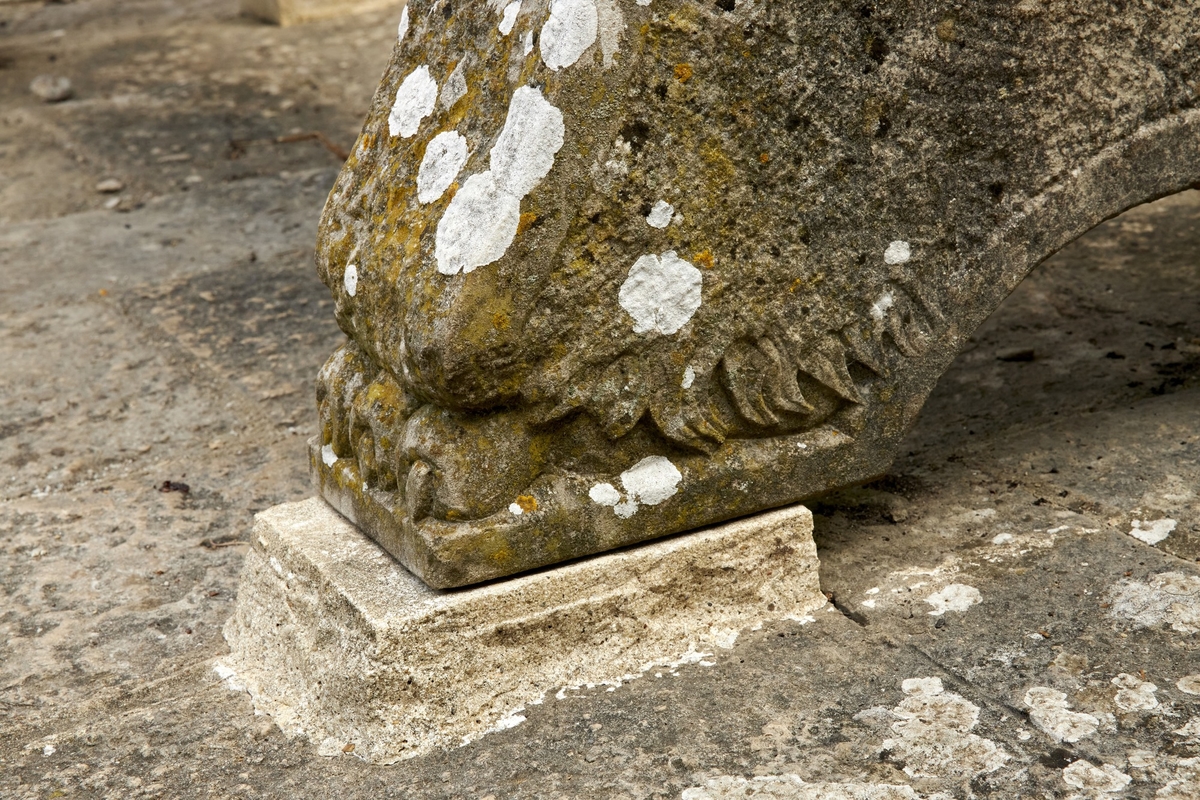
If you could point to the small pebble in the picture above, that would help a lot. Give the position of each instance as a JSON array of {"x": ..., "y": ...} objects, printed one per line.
[
  {"x": 51, "y": 88},
  {"x": 109, "y": 185}
]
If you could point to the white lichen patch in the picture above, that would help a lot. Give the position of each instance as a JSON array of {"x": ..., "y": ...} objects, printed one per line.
[
  {"x": 478, "y": 226},
  {"x": 1105, "y": 779},
  {"x": 661, "y": 293},
  {"x": 455, "y": 88},
  {"x": 933, "y": 734},
  {"x": 415, "y": 100},
  {"x": 660, "y": 215},
  {"x": 791, "y": 787},
  {"x": 689, "y": 377},
  {"x": 508, "y": 17},
  {"x": 1169, "y": 597},
  {"x": 955, "y": 597},
  {"x": 1051, "y": 714},
  {"x": 350, "y": 280},
  {"x": 532, "y": 135},
  {"x": 897, "y": 252},
  {"x": 1134, "y": 694},
  {"x": 611, "y": 24},
  {"x": 481, "y": 221},
  {"x": 570, "y": 30},
  {"x": 1189, "y": 684},
  {"x": 402, "y": 28},
  {"x": 880, "y": 307},
  {"x": 651, "y": 480},
  {"x": 327, "y": 455},
  {"x": 648, "y": 482},
  {"x": 1152, "y": 531},
  {"x": 444, "y": 158},
  {"x": 605, "y": 494},
  {"x": 527, "y": 43}
]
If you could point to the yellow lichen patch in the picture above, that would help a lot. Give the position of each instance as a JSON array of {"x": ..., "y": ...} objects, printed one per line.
[
  {"x": 945, "y": 29},
  {"x": 796, "y": 284},
  {"x": 764, "y": 157},
  {"x": 527, "y": 503},
  {"x": 683, "y": 72},
  {"x": 527, "y": 218},
  {"x": 719, "y": 170},
  {"x": 500, "y": 320},
  {"x": 704, "y": 259}
]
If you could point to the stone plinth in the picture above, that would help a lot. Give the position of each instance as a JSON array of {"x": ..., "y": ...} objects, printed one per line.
[
  {"x": 339, "y": 643},
  {"x": 292, "y": 12}
]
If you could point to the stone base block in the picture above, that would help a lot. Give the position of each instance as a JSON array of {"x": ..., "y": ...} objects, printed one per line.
[
  {"x": 339, "y": 643},
  {"x": 292, "y": 12}
]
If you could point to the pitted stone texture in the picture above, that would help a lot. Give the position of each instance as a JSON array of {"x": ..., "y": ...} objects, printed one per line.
[
  {"x": 338, "y": 643},
  {"x": 853, "y": 190}
]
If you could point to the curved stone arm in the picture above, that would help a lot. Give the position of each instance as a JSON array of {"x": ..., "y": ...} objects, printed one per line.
[{"x": 615, "y": 269}]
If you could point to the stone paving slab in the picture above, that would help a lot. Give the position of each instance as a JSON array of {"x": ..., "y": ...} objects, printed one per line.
[{"x": 343, "y": 646}]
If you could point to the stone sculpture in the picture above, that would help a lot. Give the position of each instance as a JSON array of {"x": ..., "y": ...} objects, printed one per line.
[{"x": 616, "y": 269}]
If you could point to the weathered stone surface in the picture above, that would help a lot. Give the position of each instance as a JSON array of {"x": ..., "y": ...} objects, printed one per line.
[
  {"x": 339, "y": 644},
  {"x": 293, "y": 12},
  {"x": 740, "y": 240}
]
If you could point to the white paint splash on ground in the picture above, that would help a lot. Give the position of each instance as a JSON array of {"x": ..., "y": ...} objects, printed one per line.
[
  {"x": 415, "y": 100},
  {"x": 897, "y": 252},
  {"x": 933, "y": 734},
  {"x": 228, "y": 676},
  {"x": 350, "y": 280},
  {"x": 455, "y": 88},
  {"x": 1183, "y": 782},
  {"x": 570, "y": 30},
  {"x": 1051, "y": 714},
  {"x": 1169, "y": 597},
  {"x": 1152, "y": 531},
  {"x": 402, "y": 28},
  {"x": 1134, "y": 694},
  {"x": 481, "y": 221},
  {"x": 661, "y": 293},
  {"x": 1190, "y": 732},
  {"x": 791, "y": 787},
  {"x": 1105, "y": 779},
  {"x": 955, "y": 597},
  {"x": 509, "y": 17},
  {"x": 660, "y": 215},
  {"x": 1189, "y": 684},
  {"x": 444, "y": 158},
  {"x": 605, "y": 494}
]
